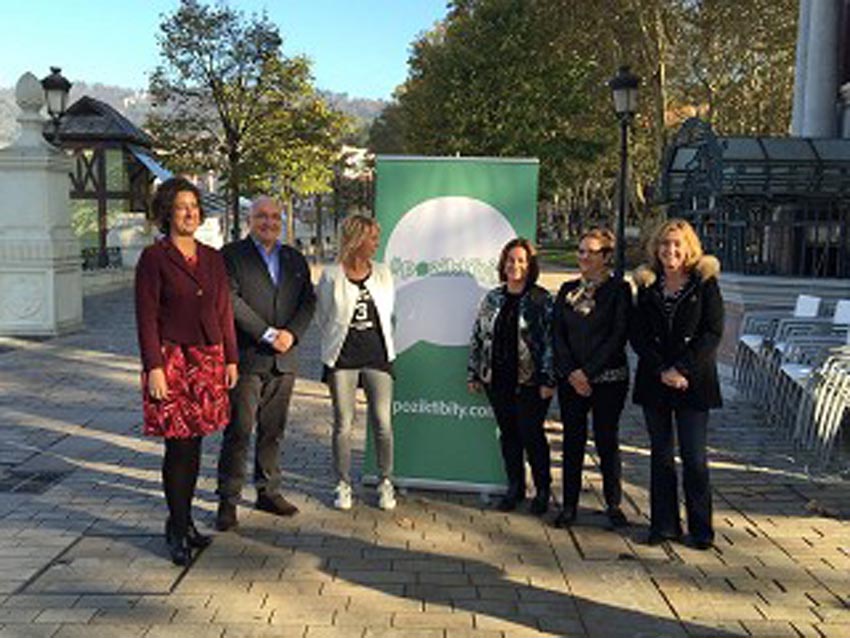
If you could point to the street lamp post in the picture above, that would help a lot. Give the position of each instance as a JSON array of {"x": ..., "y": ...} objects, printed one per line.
[
  {"x": 624, "y": 87},
  {"x": 56, "y": 88}
]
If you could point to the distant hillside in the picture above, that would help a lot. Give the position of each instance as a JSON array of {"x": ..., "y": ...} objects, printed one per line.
[
  {"x": 134, "y": 105},
  {"x": 357, "y": 107}
]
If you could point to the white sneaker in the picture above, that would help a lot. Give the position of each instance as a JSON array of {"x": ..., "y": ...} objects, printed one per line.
[
  {"x": 342, "y": 496},
  {"x": 386, "y": 495}
]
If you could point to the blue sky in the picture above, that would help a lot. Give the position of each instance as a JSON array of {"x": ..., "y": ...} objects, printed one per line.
[{"x": 359, "y": 47}]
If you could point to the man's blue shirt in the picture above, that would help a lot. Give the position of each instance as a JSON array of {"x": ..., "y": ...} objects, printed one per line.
[{"x": 272, "y": 259}]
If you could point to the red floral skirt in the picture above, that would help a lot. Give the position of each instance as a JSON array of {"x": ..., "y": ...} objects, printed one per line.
[{"x": 197, "y": 402}]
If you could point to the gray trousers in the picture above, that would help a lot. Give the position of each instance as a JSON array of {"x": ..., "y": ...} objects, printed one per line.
[
  {"x": 378, "y": 386},
  {"x": 262, "y": 399}
]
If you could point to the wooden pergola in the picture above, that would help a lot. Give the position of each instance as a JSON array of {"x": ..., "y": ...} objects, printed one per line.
[{"x": 98, "y": 135}]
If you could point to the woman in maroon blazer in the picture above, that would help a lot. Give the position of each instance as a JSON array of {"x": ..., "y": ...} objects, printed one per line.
[{"x": 188, "y": 348}]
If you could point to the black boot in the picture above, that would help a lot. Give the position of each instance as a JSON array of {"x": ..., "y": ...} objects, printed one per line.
[
  {"x": 514, "y": 496},
  {"x": 178, "y": 546},
  {"x": 226, "y": 517},
  {"x": 195, "y": 539},
  {"x": 540, "y": 502},
  {"x": 567, "y": 517},
  {"x": 616, "y": 517}
]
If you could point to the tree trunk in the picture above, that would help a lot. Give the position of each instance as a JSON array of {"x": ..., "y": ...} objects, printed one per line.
[
  {"x": 660, "y": 78},
  {"x": 337, "y": 200},
  {"x": 290, "y": 215},
  {"x": 320, "y": 238},
  {"x": 233, "y": 192}
]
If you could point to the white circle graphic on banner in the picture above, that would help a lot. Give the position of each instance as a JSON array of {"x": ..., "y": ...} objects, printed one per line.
[{"x": 443, "y": 253}]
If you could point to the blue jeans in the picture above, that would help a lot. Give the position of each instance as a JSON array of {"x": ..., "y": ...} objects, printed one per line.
[
  {"x": 692, "y": 432},
  {"x": 378, "y": 386}
]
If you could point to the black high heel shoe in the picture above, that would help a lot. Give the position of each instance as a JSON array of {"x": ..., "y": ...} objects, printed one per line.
[
  {"x": 178, "y": 546},
  {"x": 195, "y": 539},
  {"x": 514, "y": 496},
  {"x": 540, "y": 502},
  {"x": 566, "y": 518}
]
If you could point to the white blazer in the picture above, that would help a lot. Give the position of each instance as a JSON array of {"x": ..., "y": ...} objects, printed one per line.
[{"x": 336, "y": 298}]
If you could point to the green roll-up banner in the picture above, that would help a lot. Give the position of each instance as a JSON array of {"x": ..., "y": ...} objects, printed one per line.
[{"x": 443, "y": 223}]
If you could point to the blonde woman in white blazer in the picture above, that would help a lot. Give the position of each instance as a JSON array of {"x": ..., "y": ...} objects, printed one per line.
[{"x": 355, "y": 300}]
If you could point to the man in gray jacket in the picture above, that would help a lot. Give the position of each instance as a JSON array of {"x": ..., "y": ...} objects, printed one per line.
[{"x": 273, "y": 303}]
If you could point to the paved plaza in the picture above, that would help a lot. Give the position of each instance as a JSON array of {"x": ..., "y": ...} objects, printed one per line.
[{"x": 82, "y": 514}]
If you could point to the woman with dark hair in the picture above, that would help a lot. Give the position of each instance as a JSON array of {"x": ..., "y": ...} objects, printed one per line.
[
  {"x": 677, "y": 327},
  {"x": 590, "y": 328},
  {"x": 510, "y": 358},
  {"x": 188, "y": 349}
]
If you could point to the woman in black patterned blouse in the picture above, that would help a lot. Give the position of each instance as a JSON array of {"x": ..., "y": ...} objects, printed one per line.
[{"x": 590, "y": 327}]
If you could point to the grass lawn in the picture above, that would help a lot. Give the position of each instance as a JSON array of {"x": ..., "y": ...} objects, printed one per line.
[{"x": 562, "y": 255}]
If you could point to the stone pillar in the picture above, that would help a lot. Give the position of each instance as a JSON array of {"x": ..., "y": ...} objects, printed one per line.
[
  {"x": 821, "y": 89},
  {"x": 40, "y": 265},
  {"x": 798, "y": 112}
]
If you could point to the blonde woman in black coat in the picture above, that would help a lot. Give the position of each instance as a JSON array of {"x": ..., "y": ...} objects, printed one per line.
[{"x": 677, "y": 327}]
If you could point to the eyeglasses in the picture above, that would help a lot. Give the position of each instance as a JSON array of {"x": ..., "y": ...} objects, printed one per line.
[
  {"x": 272, "y": 218},
  {"x": 585, "y": 252}
]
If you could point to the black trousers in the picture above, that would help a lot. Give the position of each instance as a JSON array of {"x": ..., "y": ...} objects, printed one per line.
[
  {"x": 692, "y": 432},
  {"x": 606, "y": 403},
  {"x": 262, "y": 399},
  {"x": 520, "y": 415}
]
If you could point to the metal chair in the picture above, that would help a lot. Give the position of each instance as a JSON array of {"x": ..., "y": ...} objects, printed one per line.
[
  {"x": 819, "y": 331},
  {"x": 825, "y": 404},
  {"x": 758, "y": 327},
  {"x": 799, "y": 361}
]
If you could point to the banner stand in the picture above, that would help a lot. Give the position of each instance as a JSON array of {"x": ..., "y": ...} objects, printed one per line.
[{"x": 443, "y": 223}]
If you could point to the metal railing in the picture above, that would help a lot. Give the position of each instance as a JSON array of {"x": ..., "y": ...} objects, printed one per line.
[{"x": 95, "y": 259}]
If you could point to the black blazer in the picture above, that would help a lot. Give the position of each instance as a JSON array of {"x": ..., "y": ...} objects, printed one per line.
[
  {"x": 595, "y": 342},
  {"x": 258, "y": 304},
  {"x": 687, "y": 340}
]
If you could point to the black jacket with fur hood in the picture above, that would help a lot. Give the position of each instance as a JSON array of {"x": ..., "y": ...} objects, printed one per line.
[{"x": 687, "y": 339}]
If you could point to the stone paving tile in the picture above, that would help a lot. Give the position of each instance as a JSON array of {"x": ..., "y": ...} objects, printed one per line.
[
  {"x": 16, "y": 615},
  {"x": 101, "y": 631},
  {"x": 335, "y": 632},
  {"x": 185, "y": 631},
  {"x": 432, "y": 620},
  {"x": 473, "y": 633},
  {"x": 439, "y": 559},
  {"x": 405, "y": 632},
  {"x": 28, "y": 631},
  {"x": 137, "y": 615},
  {"x": 41, "y": 601},
  {"x": 712, "y": 628},
  {"x": 246, "y": 630}
]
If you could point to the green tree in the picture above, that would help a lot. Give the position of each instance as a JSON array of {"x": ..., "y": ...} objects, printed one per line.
[
  {"x": 530, "y": 77},
  {"x": 304, "y": 165},
  {"x": 229, "y": 100},
  {"x": 388, "y": 131},
  {"x": 739, "y": 65},
  {"x": 495, "y": 79}
]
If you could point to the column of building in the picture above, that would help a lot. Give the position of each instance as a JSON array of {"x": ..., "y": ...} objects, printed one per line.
[{"x": 816, "y": 86}]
